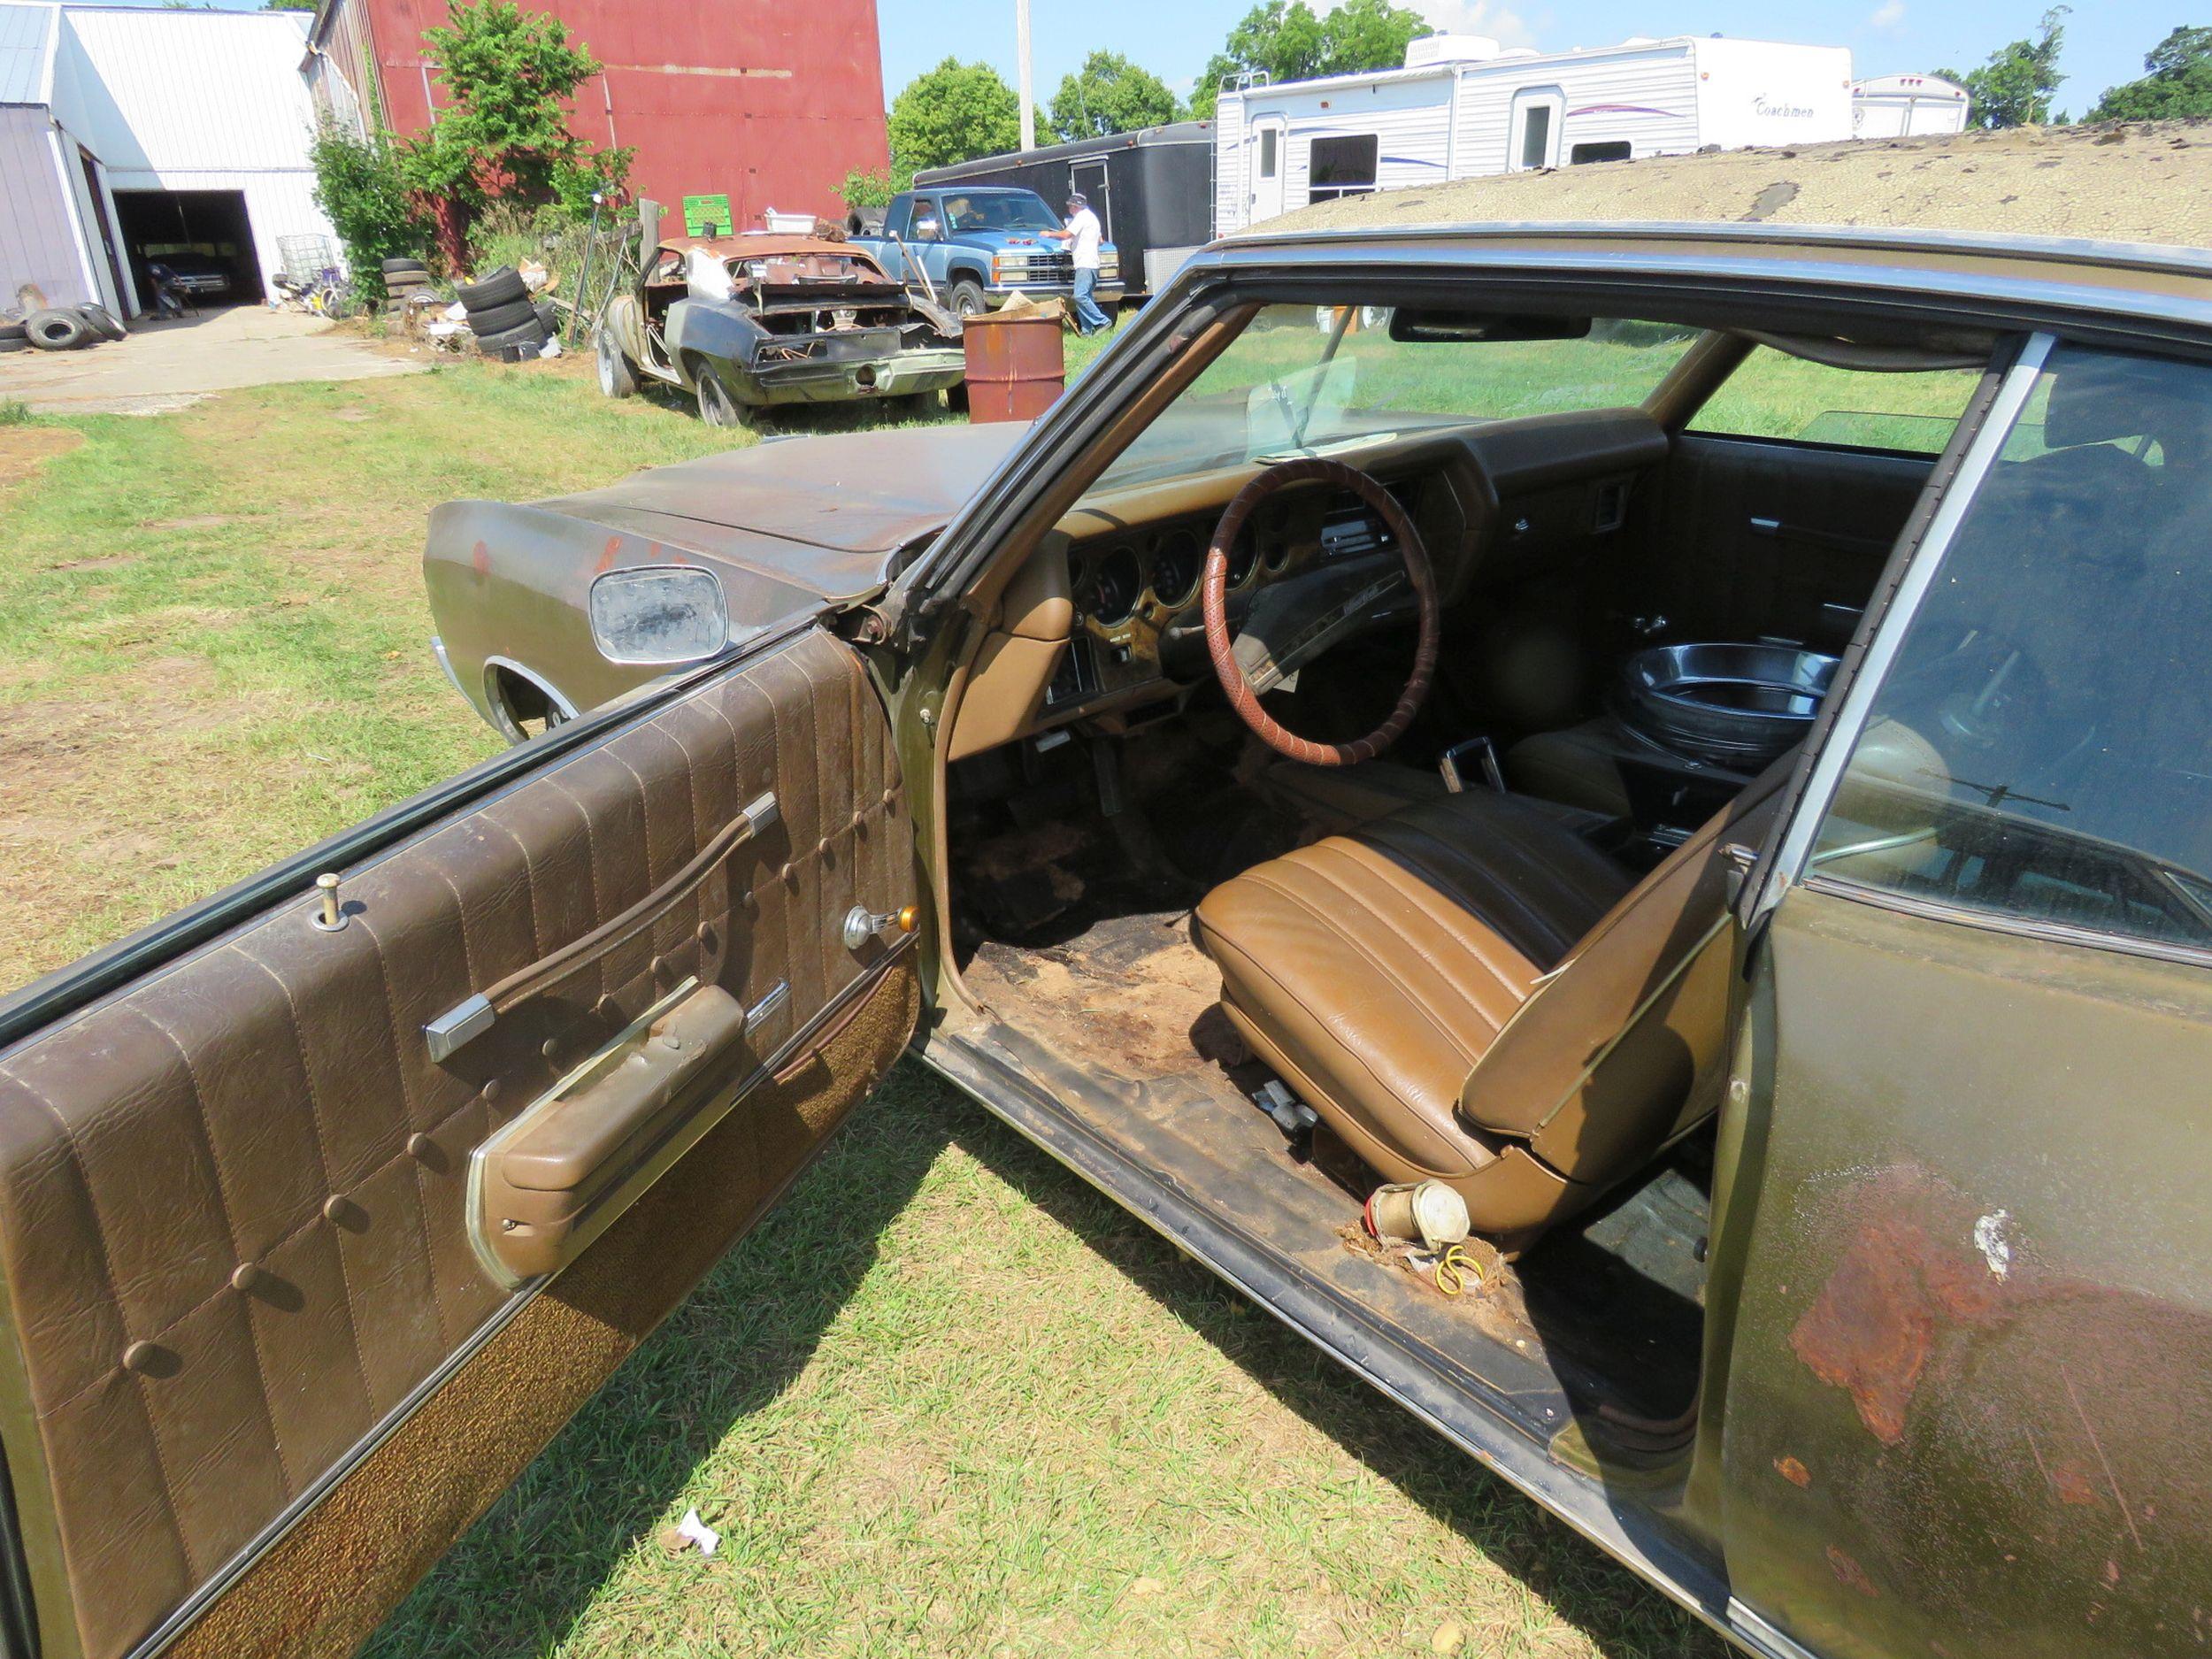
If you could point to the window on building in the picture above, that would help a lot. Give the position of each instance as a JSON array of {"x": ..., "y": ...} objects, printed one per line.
[
  {"x": 2041, "y": 748},
  {"x": 1617, "y": 150},
  {"x": 1267, "y": 152},
  {"x": 1341, "y": 166}
]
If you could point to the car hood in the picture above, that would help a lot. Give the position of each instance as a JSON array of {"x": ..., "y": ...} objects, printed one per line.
[{"x": 823, "y": 514}]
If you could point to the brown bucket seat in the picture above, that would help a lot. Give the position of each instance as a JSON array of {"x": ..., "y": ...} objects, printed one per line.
[{"x": 1468, "y": 990}]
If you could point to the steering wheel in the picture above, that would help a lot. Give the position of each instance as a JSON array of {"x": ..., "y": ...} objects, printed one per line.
[{"x": 1294, "y": 622}]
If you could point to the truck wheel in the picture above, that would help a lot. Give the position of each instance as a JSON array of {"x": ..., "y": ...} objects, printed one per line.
[
  {"x": 963, "y": 297},
  {"x": 718, "y": 406},
  {"x": 616, "y": 378}
]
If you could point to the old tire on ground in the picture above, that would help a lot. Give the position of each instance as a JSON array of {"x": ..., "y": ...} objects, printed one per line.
[
  {"x": 14, "y": 343},
  {"x": 530, "y": 334},
  {"x": 616, "y": 377},
  {"x": 548, "y": 313},
  {"x": 717, "y": 405},
  {"x": 402, "y": 267},
  {"x": 103, "y": 321},
  {"x": 57, "y": 331},
  {"x": 500, "y": 320},
  {"x": 964, "y": 297},
  {"x": 503, "y": 287},
  {"x": 917, "y": 406}
]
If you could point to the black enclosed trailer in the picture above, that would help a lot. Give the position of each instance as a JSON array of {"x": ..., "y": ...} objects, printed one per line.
[{"x": 1153, "y": 191}]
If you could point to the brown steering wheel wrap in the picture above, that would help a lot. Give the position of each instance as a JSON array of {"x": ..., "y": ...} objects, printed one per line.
[{"x": 1221, "y": 645}]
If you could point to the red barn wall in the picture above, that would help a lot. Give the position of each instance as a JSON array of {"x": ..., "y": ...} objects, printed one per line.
[{"x": 770, "y": 102}]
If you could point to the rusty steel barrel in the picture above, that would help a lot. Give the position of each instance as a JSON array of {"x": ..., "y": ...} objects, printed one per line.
[{"x": 1015, "y": 366}]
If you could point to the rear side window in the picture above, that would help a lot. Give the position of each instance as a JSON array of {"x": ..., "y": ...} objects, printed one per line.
[
  {"x": 1772, "y": 395},
  {"x": 2041, "y": 748}
]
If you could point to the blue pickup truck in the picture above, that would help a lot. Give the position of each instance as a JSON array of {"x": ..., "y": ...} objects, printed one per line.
[{"x": 979, "y": 245}]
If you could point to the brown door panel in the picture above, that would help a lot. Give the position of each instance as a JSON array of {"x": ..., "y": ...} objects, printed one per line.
[
  {"x": 235, "y": 1225},
  {"x": 1757, "y": 536}
]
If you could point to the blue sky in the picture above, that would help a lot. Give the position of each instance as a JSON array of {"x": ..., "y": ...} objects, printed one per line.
[{"x": 2105, "y": 39}]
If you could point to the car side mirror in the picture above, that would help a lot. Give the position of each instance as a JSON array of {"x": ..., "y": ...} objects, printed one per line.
[{"x": 659, "y": 615}]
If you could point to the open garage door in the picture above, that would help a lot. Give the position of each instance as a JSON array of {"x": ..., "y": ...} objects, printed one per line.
[{"x": 203, "y": 236}]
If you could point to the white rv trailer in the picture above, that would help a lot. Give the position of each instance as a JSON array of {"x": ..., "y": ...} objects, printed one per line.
[
  {"x": 1463, "y": 106},
  {"x": 1906, "y": 107}
]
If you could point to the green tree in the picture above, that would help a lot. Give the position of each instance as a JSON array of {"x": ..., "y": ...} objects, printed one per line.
[
  {"x": 1289, "y": 41},
  {"x": 362, "y": 192},
  {"x": 2180, "y": 82},
  {"x": 954, "y": 113},
  {"x": 2015, "y": 88},
  {"x": 502, "y": 133},
  {"x": 1109, "y": 95}
]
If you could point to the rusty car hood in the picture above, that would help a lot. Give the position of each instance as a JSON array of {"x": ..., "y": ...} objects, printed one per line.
[{"x": 823, "y": 514}]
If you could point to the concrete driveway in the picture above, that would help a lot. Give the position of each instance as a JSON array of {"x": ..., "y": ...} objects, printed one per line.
[{"x": 168, "y": 366}]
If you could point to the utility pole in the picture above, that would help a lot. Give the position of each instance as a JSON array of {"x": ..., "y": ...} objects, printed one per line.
[{"x": 1021, "y": 52}]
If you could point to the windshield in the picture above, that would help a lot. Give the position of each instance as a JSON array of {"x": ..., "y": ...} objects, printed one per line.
[
  {"x": 1300, "y": 380},
  {"x": 1019, "y": 211}
]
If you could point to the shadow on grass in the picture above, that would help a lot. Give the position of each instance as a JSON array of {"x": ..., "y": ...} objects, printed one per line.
[{"x": 527, "y": 1573}]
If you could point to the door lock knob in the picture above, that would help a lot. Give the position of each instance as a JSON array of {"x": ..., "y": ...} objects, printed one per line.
[{"x": 863, "y": 924}]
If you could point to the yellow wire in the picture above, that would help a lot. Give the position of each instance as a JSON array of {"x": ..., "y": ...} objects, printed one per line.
[{"x": 1453, "y": 1268}]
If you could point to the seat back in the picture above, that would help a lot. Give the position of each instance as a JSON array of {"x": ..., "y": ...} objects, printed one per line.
[{"x": 1621, "y": 1047}]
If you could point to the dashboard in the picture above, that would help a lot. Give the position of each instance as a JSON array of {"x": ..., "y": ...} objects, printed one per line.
[{"x": 1489, "y": 502}]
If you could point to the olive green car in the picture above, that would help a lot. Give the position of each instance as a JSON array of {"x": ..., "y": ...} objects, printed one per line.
[{"x": 1694, "y": 742}]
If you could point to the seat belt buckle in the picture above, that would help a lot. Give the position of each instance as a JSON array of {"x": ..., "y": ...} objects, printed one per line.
[{"x": 1472, "y": 762}]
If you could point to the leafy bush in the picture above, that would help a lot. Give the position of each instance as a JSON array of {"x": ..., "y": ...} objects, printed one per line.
[{"x": 361, "y": 188}]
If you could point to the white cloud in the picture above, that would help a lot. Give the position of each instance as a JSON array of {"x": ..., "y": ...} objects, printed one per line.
[
  {"x": 1888, "y": 15},
  {"x": 1493, "y": 18},
  {"x": 1501, "y": 22}
]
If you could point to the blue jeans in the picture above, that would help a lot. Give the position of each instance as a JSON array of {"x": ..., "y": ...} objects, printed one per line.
[{"x": 1088, "y": 317}]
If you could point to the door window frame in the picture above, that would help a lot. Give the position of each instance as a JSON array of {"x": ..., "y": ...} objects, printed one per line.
[{"x": 1958, "y": 480}]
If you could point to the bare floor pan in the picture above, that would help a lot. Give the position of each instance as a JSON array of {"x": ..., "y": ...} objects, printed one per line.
[{"x": 1597, "y": 1328}]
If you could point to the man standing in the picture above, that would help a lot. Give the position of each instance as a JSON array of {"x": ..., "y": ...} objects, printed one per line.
[{"x": 1081, "y": 234}]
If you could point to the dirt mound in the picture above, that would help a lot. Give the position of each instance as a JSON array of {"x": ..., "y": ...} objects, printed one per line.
[{"x": 2141, "y": 182}]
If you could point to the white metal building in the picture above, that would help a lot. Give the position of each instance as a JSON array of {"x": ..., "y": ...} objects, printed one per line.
[
  {"x": 1463, "y": 106},
  {"x": 128, "y": 134}
]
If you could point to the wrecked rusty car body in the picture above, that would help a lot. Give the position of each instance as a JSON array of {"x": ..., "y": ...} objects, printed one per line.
[
  {"x": 765, "y": 319},
  {"x": 1680, "y": 757}
]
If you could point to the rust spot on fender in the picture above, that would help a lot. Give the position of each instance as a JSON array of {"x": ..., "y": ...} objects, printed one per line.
[
  {"x": 608, "y": 555},
  {"x": 1849, "y": 1572},
  {"x": 1793, "y": 1472},
  {"x": 481, "y": 559}
]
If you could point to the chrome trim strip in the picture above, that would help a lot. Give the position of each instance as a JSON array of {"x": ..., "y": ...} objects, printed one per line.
[
  {"x": 1812, "y": 805},
  {"x": 183, "y": 1615},
  {"x": 1755, "y": 1632},
  {"x": 760, "y": 1012}
]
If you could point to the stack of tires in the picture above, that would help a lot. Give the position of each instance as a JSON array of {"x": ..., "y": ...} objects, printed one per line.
[
  {"x": 506, "y": 321},
  {"x": 59, "y": 328},
  {"x": 403, "y": 279}
]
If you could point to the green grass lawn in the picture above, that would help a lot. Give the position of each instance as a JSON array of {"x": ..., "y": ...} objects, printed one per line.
[{"x": 947, "y": 1400}]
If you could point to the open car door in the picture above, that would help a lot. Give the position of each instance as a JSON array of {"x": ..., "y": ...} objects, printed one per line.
[{"x": 314, "y": 1231}]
